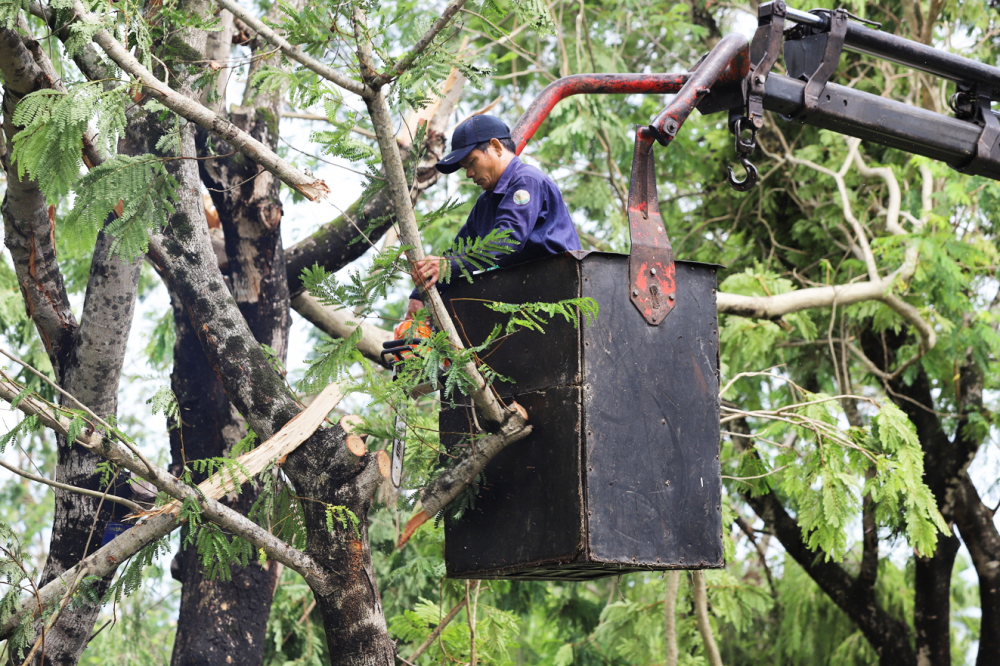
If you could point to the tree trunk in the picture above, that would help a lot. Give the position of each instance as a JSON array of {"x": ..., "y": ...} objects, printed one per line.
[
  {"x": 87, "y": 358},
  {"x": 220, "y": 619}
]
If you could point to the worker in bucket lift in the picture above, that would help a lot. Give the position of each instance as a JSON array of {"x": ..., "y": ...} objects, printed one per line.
[{"x": 516, "y": 197}]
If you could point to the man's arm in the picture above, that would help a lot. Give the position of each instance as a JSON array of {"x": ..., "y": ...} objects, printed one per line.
[{"x": 428, "y": 271}]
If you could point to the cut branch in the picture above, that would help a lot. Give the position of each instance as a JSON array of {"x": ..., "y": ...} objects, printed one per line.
[
  {"x": 399, "y": 191},
  {"x": 159, "y": 523},
  {"x": 446, "y": 486}
]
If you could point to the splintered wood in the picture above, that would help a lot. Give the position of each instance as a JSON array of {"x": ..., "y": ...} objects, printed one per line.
[{"x": 286, "y": 440}]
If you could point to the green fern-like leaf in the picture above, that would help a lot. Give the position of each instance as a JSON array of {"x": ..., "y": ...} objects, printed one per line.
[
  {"x": 144, "y": 187},
  {"x": 10, "y": 10},
  {"x": 532, "y": 316},
  {"x": 478, "y": 254},
  {"x": 49, "y": 147}
]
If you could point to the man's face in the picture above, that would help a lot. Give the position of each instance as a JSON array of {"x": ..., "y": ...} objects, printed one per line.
[{"x": 484, "y": 167}]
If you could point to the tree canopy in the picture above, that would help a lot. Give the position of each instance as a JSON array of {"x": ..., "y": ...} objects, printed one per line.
[{"x": 156, "y": 156}]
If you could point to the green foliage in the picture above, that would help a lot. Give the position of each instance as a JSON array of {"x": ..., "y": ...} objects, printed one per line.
[
  {"x": 904, "y": 502},
  {"x": 131, "y": 578},
  {"x": 10, "y": 10},
  {"x": 25, "y": 426},
  {"x": 228, "y": 469},
  {"x": 164, "y": 402},
  {"x": 480, "y": 253},
  {"x": 332, "y": 358},
  {"x": 246, "y": 444},
  {"x": 364, "y": 289},
  {"x": 160, "y": 348},
  {"x": 49, "y": 147},
  {"x": 530, "y": 315},
  {"x": 13, "y": 573},
  {"x": 147, "y": 191},
  {"x": 347, "y": 519}
]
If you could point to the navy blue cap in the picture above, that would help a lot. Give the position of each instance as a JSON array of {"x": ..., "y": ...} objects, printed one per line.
[{"x": 468, "y": 135}]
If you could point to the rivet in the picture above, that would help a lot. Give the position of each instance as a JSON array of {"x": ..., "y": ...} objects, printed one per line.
[
  {"x": 761, "y": 79},
  {"x": 652, "y": 271},
  {"x": 635, "y": 292},
  {"x": 664, "y": 422},
  {"x": 671, "y": 296},
  {"x": 666, "y": 483}
]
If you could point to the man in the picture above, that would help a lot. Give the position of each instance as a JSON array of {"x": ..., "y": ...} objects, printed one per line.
[{"x": 516, "y": 197}]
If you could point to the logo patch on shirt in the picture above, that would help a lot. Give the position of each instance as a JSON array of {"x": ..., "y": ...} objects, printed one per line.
[{"x": 521, "y": 197}]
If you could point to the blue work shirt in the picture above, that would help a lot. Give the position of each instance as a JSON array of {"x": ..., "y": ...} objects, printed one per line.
[{"x": 528, "y": 203}]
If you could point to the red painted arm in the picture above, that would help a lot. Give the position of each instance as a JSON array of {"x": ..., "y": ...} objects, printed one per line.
[
  {"x": 629, "y": 84},
  {"x": 579, "y": 84}
]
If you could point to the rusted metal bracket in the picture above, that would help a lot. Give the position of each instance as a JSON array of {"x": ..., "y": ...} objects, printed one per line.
[{"x": 651, "y": 270}]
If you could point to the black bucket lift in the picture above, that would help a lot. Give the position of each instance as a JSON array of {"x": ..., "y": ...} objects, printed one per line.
[{"x": 621, "y": 472}]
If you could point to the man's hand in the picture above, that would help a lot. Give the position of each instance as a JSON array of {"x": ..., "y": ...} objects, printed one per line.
[
  {"x": 413, "y": 308},
  {"x": 427, "y": 271}
]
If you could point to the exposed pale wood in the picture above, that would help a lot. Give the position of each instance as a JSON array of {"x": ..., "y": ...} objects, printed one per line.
[
  {"x": 350, "y": 424},
  {"x": 384, "y": 463},
  {"x": 286, "y": 440},
  {"x": 355, "y": 445}
]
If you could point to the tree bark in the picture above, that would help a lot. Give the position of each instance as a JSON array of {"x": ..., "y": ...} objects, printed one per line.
[
  {"x": 219, "y": 619},
  {"x": 979, "y": 532},
  {"x": 87, "y": 358}
]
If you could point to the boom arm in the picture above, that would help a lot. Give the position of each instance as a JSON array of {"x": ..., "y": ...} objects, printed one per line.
[{"x": 736, "y": 79}]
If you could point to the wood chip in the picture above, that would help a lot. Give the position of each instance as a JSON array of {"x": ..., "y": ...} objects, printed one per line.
[{"x": 384, "y": 463}]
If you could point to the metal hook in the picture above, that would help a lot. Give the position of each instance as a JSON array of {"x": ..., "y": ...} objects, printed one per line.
[{"x": 746, "y": 183}]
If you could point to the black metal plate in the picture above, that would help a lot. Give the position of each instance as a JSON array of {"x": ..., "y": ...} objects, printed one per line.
[
  {"x": 533, "y": 359},
  {"x": 651, "y": 416},
  {"x": 530, "y": 510}
]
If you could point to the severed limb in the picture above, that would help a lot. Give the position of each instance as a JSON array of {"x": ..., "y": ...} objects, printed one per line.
[{"x": 160, "y": 522}]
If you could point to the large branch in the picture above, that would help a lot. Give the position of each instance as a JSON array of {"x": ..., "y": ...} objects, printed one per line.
[
  {"x": 161, "y": 522},
  {"x": 29, "y": 229},
  {"x": 447, "y": 485},
  {"x": 392, "y": 164},
  {"x": 341, "y": 324},
  {"x": 979, "y": 532},
  {"x": 876, "y": 288},
  {"x": 312, "y": 189}
]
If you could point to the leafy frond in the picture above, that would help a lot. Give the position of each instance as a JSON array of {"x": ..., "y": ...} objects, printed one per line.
[
  {"x": 131, "y": 578},
  {"x": 363, "y": 289},
  {"x": 479, "y": 253},
  {"x": 532, "y": 316},
  {"x": 49, "y": 147},
  {"x": 146, "y": 193}
]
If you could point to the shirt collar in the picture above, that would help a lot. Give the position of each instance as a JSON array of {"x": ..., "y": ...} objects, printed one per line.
[{"x": 508, "y": 175}]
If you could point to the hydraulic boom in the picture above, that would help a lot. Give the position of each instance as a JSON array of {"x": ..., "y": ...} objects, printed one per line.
[{"x": 737, "y": 78}]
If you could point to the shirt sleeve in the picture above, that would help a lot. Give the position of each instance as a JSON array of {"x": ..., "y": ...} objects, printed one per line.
[
  {"x": 522, "y": 208},
  {"x": 464, "y": 232}
]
